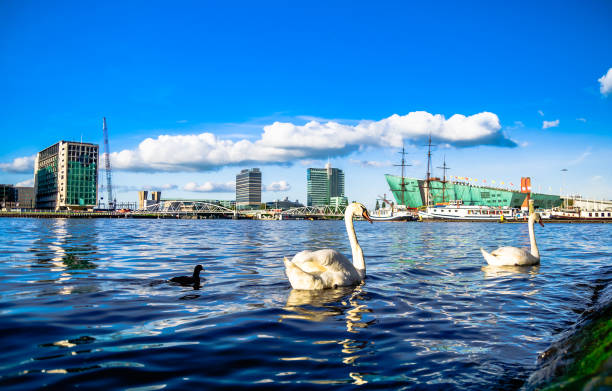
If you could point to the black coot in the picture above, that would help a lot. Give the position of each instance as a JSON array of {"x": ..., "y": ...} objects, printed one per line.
[{"x": 187, "y": 280}]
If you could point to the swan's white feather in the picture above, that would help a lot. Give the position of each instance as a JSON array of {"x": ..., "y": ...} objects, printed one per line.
[
  {"x": 310, "y": 270},
  {"x": 321, "y": 269},
  {"x": 510, "y": 256}
]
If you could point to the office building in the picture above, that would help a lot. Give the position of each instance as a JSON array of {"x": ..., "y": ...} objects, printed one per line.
[
  {"x": 16, "y": 197},
  {"x": 66, "y": 176},
  {"x": 323, "y": 184},
  {"x": 142, "y": 199},
  {"x": 8, "y": 196},
  {"x": 25, "y": 197},
  {"x": 248, "y": 189}
]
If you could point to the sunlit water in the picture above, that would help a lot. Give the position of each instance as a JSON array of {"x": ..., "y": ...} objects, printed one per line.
[{"x": 87, "y": 303}]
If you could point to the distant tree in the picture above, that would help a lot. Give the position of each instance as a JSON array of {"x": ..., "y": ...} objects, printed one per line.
[{"x": 377, "y": 206}]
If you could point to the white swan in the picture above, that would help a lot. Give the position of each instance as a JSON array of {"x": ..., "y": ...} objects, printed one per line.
[
  {"x": 512, "y": 256},
  {"x": 328, "y": 268}
]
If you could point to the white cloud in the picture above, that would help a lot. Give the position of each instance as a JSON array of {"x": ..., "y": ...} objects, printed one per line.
[
  {"x": 278, "y": 186},
  {"x": 606, "y": 83},
  {"x": 182, "y": 121},
  {"x": 130, "y": 188},
  {"x": 541, "y": 113},
  {"x": 371, "y": 163},
  {"x": 26, "y": 183},
  {"x": 210, "y": 187},
  {"x": 517, "y": 125},
  {"x": 550, "y": 124},
  {"x": 19, "y": 165},
  {"x": 581, "y": 119},
  {"x": 580, "y": 158},
  {"x": 285, "y": 142}
]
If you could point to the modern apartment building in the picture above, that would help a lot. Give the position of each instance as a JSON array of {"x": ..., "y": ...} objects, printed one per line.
[
  {"x": 323, "y": 184},
  {"x": 66, "y": 176},
  {"x": 248, "y": 189}
]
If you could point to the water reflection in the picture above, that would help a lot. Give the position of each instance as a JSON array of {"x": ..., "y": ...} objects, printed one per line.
[
  {"x": 319, "y": 305},
  {"x": 491, "y": 271},
  {"x": 64, "y": 248}
]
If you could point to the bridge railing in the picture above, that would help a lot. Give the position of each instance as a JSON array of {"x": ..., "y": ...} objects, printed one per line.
[
  {"x": 183, "y": 207},
  {"x": 315, "y": 211}
]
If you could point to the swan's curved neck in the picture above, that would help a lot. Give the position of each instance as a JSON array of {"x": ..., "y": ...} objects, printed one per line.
[
  {"x": 358, "y": 260},
  {"x": 534, "y": 245}
]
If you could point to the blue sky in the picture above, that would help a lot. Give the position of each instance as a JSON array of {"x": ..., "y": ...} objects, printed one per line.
[{"x": 195, "y": 91}]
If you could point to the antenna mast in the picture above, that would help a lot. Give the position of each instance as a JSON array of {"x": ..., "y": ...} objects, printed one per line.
[
  {"x": 444, "y": 168},
  {"x": 403, "y": 184},
  {"x": 111, "y": 203}
]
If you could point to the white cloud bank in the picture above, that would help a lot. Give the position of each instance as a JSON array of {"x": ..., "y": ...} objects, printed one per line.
[
  {"x": 550, "y": 124},
  {"x": 606, "y": 83},
  {"x": 130, "y": 188},
  {"x": 285, "y": 142},
  {"x": 278, "y": 186},
  {"x": 210, "y": 187},
  {"x": 371, "y": 163},
  {"x": 26, "y": 183},
  {"x": 19, "y": 165}
]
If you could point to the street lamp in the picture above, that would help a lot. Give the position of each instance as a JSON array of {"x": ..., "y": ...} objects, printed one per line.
[{"x": 563, "y": 170}]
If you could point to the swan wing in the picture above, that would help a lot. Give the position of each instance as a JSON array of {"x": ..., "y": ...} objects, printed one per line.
[
  {"x": 321, "y": 261},
  {"x": 300, "y": 279},
  {"x": 508, "y": 256},
  {"x": 320, "y": 269}
]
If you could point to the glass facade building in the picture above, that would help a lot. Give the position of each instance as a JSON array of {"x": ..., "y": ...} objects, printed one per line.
[
  {"x": 66, "y": 176},
  {"x": 248, "y": 189},
  {"x": 324, "y": 184}
]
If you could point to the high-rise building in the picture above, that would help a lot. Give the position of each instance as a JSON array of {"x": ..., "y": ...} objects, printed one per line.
[
  {"x": 66, "y": 176},
  {"x": 248, "y": 189},
  {"x": 323, "y": 184}
]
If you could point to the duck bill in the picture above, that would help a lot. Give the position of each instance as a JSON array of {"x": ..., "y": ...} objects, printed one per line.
[{"x": 366, "y": 216}]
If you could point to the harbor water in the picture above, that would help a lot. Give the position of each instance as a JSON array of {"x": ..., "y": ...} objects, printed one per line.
[{"x": 87, "y": 303}]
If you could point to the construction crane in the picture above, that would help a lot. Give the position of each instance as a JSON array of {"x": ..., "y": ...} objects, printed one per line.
[{"x": 109, "y": 186}]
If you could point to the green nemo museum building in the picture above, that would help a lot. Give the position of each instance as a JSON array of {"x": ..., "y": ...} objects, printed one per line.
[{"x": 411, "y": 192}]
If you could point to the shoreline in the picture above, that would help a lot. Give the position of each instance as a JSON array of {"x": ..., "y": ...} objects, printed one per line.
[{"x": 214, "y": 216}]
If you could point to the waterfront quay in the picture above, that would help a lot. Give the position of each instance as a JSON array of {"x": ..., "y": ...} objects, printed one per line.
[{"x": 295, "y": 214}]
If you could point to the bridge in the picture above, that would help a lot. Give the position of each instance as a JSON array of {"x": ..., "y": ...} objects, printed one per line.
[
  {"x": 185, "y": 208},
  {"x": 196, "y": 209},
  {"x": 314, "y": 212}
]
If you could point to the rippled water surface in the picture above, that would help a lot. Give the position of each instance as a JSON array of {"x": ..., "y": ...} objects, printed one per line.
[{"x": 87, "y": 303}]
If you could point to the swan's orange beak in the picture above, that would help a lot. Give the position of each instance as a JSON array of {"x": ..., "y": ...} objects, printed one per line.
[{"x": 366, "y": 216}]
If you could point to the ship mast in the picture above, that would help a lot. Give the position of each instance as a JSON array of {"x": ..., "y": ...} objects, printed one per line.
[
  {"x": 403, "y": 183},
  {"x": 428, "y": 180},
  {"x": 444, "y": 168}
]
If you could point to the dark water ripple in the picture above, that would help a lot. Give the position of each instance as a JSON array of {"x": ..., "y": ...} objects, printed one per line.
[{"x": 86, "y": 303}]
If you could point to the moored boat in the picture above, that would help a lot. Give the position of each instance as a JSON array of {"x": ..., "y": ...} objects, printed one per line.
[
  {"x": 393, "y": 214},
  {"x": 456, "y": 210}
]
